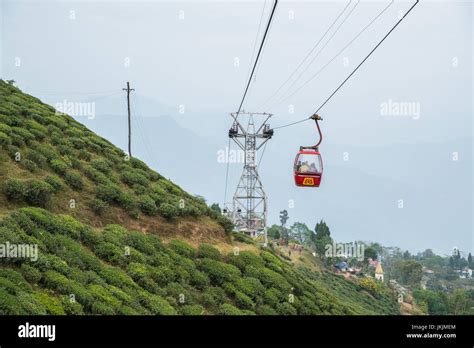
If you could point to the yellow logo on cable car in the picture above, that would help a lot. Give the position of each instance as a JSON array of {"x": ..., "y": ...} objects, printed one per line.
[{"x": 308, "y": 181}]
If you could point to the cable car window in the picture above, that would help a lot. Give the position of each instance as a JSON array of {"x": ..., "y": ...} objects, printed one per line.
[{"x": 308, "y": 163}]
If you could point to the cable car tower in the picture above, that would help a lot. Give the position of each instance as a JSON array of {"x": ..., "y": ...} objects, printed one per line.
[{"x": 249, "y": 206}]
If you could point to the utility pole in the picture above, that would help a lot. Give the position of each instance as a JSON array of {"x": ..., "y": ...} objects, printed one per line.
[
  {"x": 128, "y": 89},
  {"x": 249, "y": 207}
]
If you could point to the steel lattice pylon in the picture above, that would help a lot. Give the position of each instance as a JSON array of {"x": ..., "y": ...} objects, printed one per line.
[{"x": 249, "y": 206}]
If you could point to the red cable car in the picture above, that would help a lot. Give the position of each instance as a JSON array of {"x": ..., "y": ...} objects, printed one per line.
[{"x": 308, "y": 166}]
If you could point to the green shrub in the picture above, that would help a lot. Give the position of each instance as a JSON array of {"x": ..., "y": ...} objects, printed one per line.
[
  {"x": 20, "y": 284},
  {"x": 225, "y": 223},
  {"x": 59, "y": 166},
  {"x": 266, "y": 310},
  {"x": 251, "y": 287},
  {"x": 286, "y": 308},
  {"x": 182, "y": 248},
  {"x": 191, "y": 310},
  {"x": 240, "y": 237},
  {"x": 243, "y": 301},
  {"x": 4, "y": 139},
  {"x": 272, "y": 297},
  {"x": 102, "y": 166},
  {"x": 109, "y": 192},
  {"x": 14, "y": 189},
  {"x": 30, "y": 273},
  {"x": 47, "y": 151},
  {"x": 37, "y": 158},
  {"x": 219, "y": 272},
  {"x": 24, "y": 134},
  {"x": 98, "y": 206},
  {"x": 208, "y": 251},
  {"x": 101, "y": 308},
  {"x": 168, "y": 211},
  {"x": 163, "y": 275},
  {"x": 71, "y": 307},
  {"x": 147, "y": 205},
  {"x": 158, "y": 305},
  {"x": 74, "y": 180},
  {"x": 245, "y": 259},
  {"x": 37, "y": 192},
  {"x": 199, "y": 280},
  {"x": 269, "y": 278},
  {"x": 52, "y": 304},
  {"x": 4, "y": 128},
  {"x": 55, "y": 183},
  {"x": 115, "y": 234},
  {"x": 110, "y": 252},
  {"x": 30, "y": 304},
  {"x": 228, "y": 309},
  {"x": 131, "y": 178},
  {"x": 126, "y": 201},
  {"x": 99, "y": 293},
  {"x": 29, "y": 165}
]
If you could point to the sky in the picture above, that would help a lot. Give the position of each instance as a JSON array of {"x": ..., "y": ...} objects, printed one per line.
[{"x": 189, "y": 63}]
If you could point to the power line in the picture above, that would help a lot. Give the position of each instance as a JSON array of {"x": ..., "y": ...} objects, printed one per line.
[
  {"x": 322, "y": 48},
  {"x": 356, "y": 68},
  {"x": 336, "y": 55},
  {"x": 263, "y": 153},
  {"x": 367, "y": 57},
  {"x": 258, "y": 55},
  {"x": 308, "y": 54},
  {"x": 227, "y": 172},
  {"x": 256, "y": 36},
  {"x": 69, "y": 93}
]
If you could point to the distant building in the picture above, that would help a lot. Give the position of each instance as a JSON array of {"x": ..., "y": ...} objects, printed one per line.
[
  {"x": 372, "y": 263},
  {"x": 466, "y": 273},
  {"x": 379, "y": 272},
  {"x": 342, "y": 266},
  {"x": 427, "y": 270}
]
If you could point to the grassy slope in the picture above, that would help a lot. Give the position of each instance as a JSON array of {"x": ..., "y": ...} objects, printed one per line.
[{"x": 126, "y": 268}]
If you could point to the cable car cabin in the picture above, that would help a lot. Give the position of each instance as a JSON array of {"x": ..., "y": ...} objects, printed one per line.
[{"x": 308, "y": 168}]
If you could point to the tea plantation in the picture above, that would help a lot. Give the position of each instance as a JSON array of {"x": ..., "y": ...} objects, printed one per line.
[
  {"x": 96, "y": 217},
  {"x": 80, "y": 270}
]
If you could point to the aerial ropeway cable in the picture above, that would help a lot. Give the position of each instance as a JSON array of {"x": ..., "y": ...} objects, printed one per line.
[
  {"x": 262, "y": 44},
  {"x": 275, "y": 3}
]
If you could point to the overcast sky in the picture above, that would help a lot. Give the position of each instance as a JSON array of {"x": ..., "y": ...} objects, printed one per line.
[{"x": 193, "y": 59}]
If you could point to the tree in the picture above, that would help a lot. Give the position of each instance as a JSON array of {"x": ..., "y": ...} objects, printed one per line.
[
  {"x": 321, "y": 237},
  {"x": 274, "y": 232},
  {"x": 216, "y": 208},
  {"x": 408, "y": 272},
  {"x": 428, "y": 253},
  {"x": 451, "y": 262},
  {"x": 406, "y": 255},
  {"x": 460, "y": 303},
  {"x": 300, "y": 231},
  {"x": 370, "y": 253},
  {"x": 469, "y": 259},
  {"x": 284, "y": 217}
]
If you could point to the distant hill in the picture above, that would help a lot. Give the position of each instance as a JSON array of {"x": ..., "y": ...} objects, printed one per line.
[{"x": 110, "y": 234}]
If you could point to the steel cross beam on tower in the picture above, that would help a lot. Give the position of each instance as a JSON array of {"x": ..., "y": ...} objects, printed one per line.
[{"x": 249, "y": 206}]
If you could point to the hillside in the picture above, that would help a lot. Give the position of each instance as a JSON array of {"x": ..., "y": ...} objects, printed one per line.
[{"x": 110, "y": 233}]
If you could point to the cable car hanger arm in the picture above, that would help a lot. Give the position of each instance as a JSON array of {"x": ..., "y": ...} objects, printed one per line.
[{"x": 316, "y": 118}]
